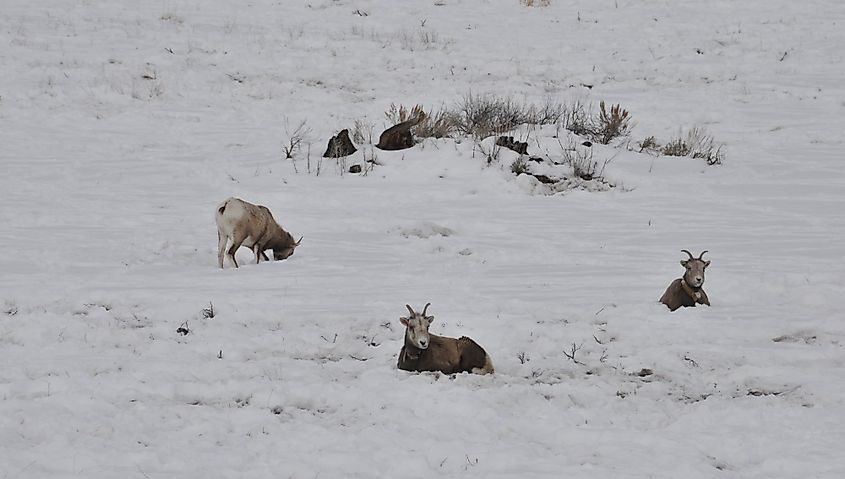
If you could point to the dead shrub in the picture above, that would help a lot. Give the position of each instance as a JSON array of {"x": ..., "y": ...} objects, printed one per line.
[
  {"x": 649, "y": 145},
  {"x": 582, "y": 163},
  {"x": 481, "y": 116},
  {"x": 578, "y": 119},
  {"x": 520, "y": 166},
  {"x": 438, "y": 124},
  {"x": 362, "y": 132},
  {"x": 612, "y": 124},
  {"x": 601, "y": 127},
  {"x": 696, "y": 143}
]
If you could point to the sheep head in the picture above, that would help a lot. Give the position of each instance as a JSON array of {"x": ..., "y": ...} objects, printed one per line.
[
  {"x": 694, "y": 275},
  {"x": 416, "y": 327},
  {"x": 287, "y": 251}
]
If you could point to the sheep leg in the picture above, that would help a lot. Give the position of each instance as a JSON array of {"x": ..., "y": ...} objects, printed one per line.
[
  {"x": 237, "y": 241},
  {"x": 258, "y": 250},
  {"x": 221, "y": 248}
]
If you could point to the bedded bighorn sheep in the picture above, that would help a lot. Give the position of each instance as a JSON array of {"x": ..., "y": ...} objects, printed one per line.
[
  {"x": 253, "y": 226},
  {"x": 686, "y": 291},
  {"x": 426, "y": 352}
]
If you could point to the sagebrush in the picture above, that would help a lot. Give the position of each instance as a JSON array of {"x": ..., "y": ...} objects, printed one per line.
[
  {"x": 602, "y": 127},
  {"x": 437, "y": 124},
  {"x": 696, "y": 143},
  {"x": 481, "y": 116}
]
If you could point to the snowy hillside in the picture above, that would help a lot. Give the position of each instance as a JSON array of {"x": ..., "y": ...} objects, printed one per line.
[{"x": 124, "y": 124}]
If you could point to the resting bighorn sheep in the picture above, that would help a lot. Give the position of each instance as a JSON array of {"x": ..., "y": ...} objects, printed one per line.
[
  {"x": 253, "y": 226},
  {"x": 426, "y": 352},
  {"x": 686, "y": 291}
]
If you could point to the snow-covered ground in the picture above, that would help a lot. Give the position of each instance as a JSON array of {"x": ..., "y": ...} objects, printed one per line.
[{"x": 123, "y": 125}]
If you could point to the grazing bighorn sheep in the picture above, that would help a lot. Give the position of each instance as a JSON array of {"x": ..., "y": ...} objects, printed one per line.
[
  {"x": 426, "y": 352},
  {"x": 686, "y": 291},
  {"x": 253, "y": 226}
]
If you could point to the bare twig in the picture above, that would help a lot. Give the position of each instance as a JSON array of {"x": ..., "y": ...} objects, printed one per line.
[
  {"x": 295, "y": 137},
  {"x": 571, "y": 354}
]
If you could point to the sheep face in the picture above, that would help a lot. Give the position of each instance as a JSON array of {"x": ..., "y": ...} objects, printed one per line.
[
  {"x": 694, "y": 275},
  {"x": 416, "y": 328},
  {"x": 286, "y": 253}
]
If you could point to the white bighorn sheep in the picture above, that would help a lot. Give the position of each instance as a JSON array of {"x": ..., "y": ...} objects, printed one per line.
[
  {"x": 423, "y": 351},
  {"x": 686, "y": 291},
  {"x": 253, "y": 226}
]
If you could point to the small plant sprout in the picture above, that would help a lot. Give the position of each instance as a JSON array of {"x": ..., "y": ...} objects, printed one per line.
[{"x": 183, "y": 329}]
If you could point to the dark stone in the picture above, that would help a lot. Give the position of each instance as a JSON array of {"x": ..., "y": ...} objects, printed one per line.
[
  {"x": 355, "y": 169},
  {"x": 520, "y": 147},
  {"x": 536, "y": 159},
  {"x": 545, "y": 179},
  {"x": 340, "y": 145}
]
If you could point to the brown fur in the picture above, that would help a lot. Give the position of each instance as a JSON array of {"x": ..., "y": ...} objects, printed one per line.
[
  {"x": 447, "y": 355},
  {"x": 399, "y": 136},
  {"x": 681, "y": 292},
  {"x": 255, "y": 228}
]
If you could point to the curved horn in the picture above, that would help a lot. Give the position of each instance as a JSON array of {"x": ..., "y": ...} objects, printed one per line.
[
  {"x": 687, "y": 252},
  {"x": 300, "y": 241},
  {"x": 702, "y": 254},
  {"x": 410, "y": 309},
  {"x": 426, "y": 307}
]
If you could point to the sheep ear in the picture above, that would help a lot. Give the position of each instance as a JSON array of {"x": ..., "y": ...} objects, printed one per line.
[
  {"x": 404, "y": 320},
  {"x": 684, "y": 262},
  {"x": 430, "y": 319},
  {"x": 706, "y": 264}
]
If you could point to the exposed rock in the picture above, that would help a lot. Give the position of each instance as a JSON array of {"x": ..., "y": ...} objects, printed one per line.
[
  {"x": 546, "y": 179},
  {"x": 399, "y": 136},
  {"x": 340, "y": 145},
  {"x": 520, "y": 147},
  {"x": 355, "y": 169}
]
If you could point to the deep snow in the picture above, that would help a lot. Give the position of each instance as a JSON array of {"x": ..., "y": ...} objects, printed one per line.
[{"x": 122, "y": 127}]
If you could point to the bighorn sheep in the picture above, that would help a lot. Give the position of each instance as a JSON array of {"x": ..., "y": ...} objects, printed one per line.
[
  {"x": 253, "y": 226},
  {"x": 686, "y": 291},
  {"x": 423, "y": 351}
]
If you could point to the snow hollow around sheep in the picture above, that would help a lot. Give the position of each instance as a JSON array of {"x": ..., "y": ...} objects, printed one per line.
[{"x": 125, "y": 352}]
